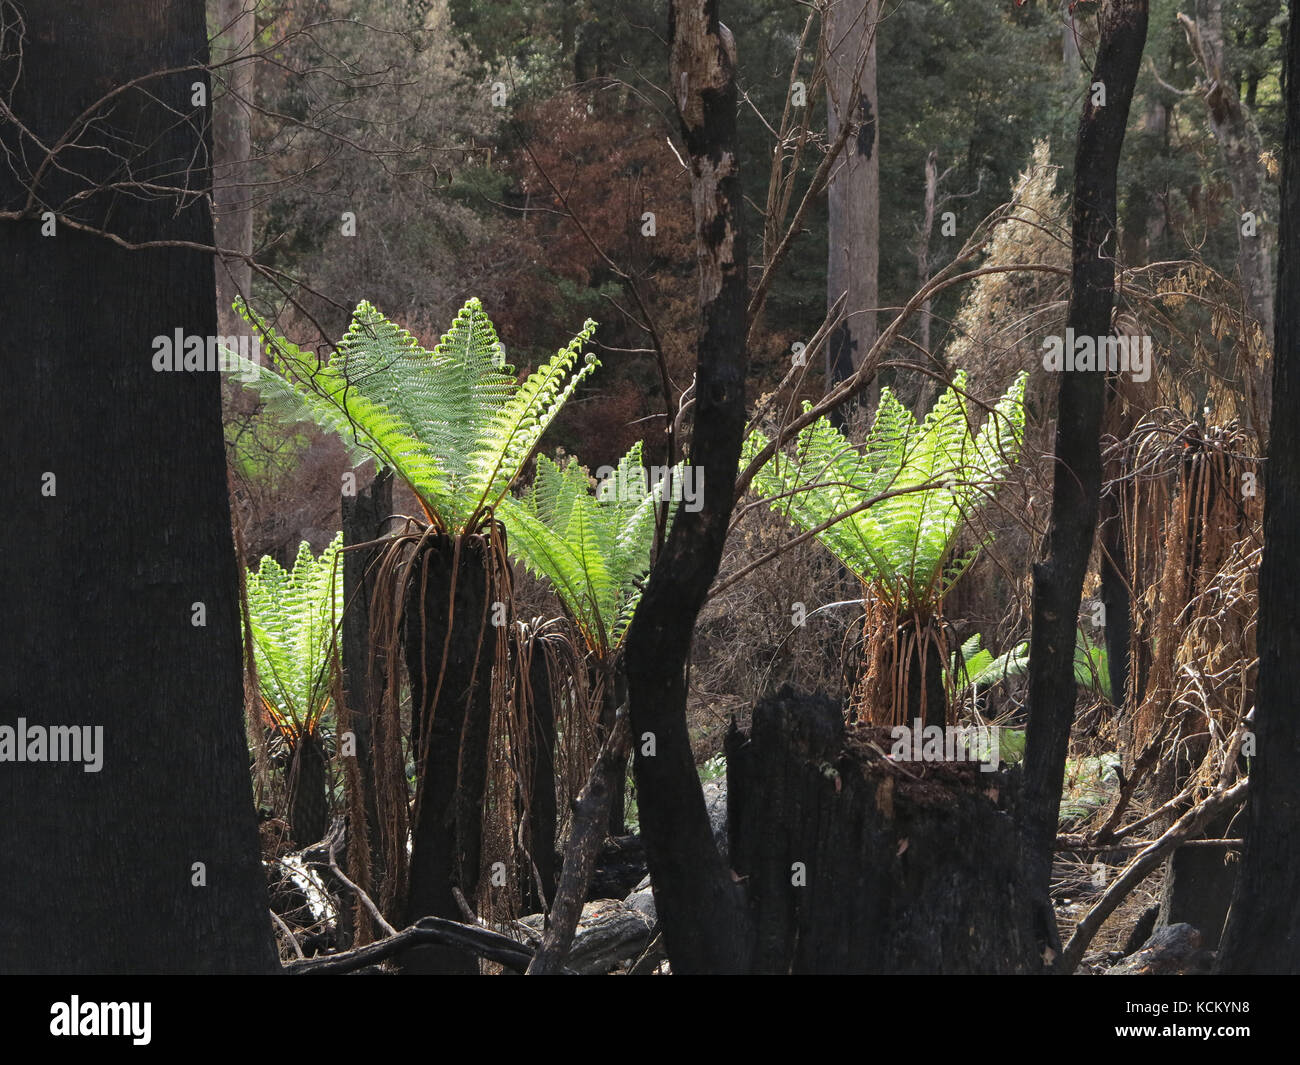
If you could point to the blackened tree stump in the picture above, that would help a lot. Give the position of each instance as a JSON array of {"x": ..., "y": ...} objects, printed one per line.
[{"x": 853, "y": 864}]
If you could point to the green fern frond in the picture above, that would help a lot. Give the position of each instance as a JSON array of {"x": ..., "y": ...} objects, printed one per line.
[
  {"x": 592, "y": 546},
  {"x": 454, "y": 423},
  {"x": 1091, "y": 665},
  {"x": 294, "y": 616}
]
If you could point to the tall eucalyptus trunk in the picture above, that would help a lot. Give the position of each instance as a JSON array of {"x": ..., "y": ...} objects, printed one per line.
[{"x": 119, "y": 552}]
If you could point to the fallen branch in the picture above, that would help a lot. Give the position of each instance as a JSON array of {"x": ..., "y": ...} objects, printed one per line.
[
  {"x": 493, "y": 946},
  {"x": 1136, "y": 871},
  {"x": 366, "y": 900}
]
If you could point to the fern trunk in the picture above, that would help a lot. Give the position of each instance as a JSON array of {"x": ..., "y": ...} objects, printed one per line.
[
  {"x": 612, "y": 684},
  {"x": 925, "y": 655},
  {"x": 542, "y": 806},
  {"x": 364, "y": 517},
  {"x": 902, "y": 677},
  {"x": 308, "y": 796},
  {"x": 449, "y": 601}
]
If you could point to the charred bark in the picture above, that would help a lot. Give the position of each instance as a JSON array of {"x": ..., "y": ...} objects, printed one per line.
[
  {"x": 857, "y": 865},
  {"x": 364, "y": 516},
  {"x": 308, "y": 798},
  {"x": 927, "y": 699},
  {"x": 1058, "y": 578},
  {"x": 698, "y": 903},
  {"x": 119, "y": 561},
  {"x": 1263, "y": 929},
  {"x": 539, "y": 882}
]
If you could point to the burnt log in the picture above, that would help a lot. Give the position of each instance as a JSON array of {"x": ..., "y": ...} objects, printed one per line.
[{"x": 610, "y": 935}]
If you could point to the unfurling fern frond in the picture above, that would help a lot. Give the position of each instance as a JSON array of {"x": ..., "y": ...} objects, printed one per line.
[
  {"x": 894, "y": 505},
  {"x": 593, "y": 547},
  {"x": 454, "y": 423},
  {"x": 294, "y": 616}
]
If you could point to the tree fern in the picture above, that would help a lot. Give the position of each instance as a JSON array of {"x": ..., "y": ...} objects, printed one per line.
[
  {"x": 454, "y": 423},
  {"x": 931, "y": 476},
  {"x": 294, "y": 615},
  {"x": 593, "y": 547}
]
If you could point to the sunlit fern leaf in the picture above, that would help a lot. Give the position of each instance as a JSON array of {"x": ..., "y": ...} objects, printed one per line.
[
  {"x": 1091, "y": 665},
  {"x": 932, "y": 477},
  {"x": 592, "y": 546},
  {"x": 294, "y": 616},
  {"x": 511, "y": 434},
  {"x": 454, "y": 423}
]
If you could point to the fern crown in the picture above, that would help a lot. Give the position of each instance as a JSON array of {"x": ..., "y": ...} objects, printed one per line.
[
  {"x": 923, "y": 481},
  {"x": 454, "y": 423},
  {"x": 592, "y": 546},
  {"x": 294, "y": 615}
]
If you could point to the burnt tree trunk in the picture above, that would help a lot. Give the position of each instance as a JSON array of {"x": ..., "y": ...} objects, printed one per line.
[
  {"x": 1199, "y": 883},
  {"x": 448, "y": 604},
  {"x": 118, "y": 561},
  {"x": 1058, "y": 579},
  {"x": 699, "y": 905},
  {"x": 1263, "y": 929},
  {"x": 854, "y": 866}
]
